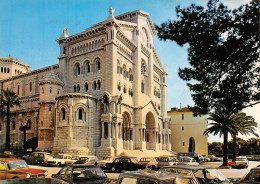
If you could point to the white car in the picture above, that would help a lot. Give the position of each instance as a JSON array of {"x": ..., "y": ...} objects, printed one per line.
[
  {"x": 167, "y": 161},
  {"x": 242, "y": 161},
  {"x": 58, "y": 160},
  {"x": 187, "y": 161}
]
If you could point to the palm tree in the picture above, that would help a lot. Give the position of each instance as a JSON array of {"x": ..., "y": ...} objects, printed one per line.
[
  {"x": 233, "y": 124},
  {"x": 8, "y": 99},
  {"x": 222, "y": 124},
  {"x": 247, "y": 125}
]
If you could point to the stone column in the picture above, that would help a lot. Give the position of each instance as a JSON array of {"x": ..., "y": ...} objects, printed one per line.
[
  {"x": 103, "y": 129},
  {"x": 109, "y": 130},
  {"x": 116, "y": 131}
]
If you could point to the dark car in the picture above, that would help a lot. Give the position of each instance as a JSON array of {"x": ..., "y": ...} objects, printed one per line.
[
  {"x": 202, "y": 174},
  {"x": 125, "y": 164},
  {"x": 11, "y": 168},
  {"x": 253, "y": 176},
  {"x": 37, "y": 158},
  {"x": 154, "y": 177},
  {"x": 34, "y": 181},
  {"x": 79, "y": 173},
  {"x": 189, "y": 154}
]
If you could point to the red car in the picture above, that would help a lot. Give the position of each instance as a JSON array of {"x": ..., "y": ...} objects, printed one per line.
[{"x": 16, "y": 168}]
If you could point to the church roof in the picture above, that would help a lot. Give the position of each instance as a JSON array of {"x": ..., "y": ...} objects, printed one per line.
[{"x": 51, "y": 77}]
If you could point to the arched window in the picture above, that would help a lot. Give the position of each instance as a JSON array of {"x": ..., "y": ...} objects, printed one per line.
[
  {"x": 94, "y": 85},
  {"x": 130, "y": 75},
  {"x": 15, "y": 71},
  {"x": 42, "y": 90},
  {"x": 142, "y": 87},
  {"x": 143, "y": 67},
  {"x": 119, "y": 87},
  {"x": 75, "y": 88},
  {"x": 98, "y": 64},
  {"x": 98, "y": 85},
  {"x": 72, "y": 51},
  {"x": 63, "y": 113},
  {"x": 13, "y": 124},
  {"x": 18, "y": 89},
  {"x": 118, "y": 67},
  {"x": 78, "y": 88},
  {"x": 124, "y": 68},
  {"x": 50, "y": 89},
  {"x": 2, "y": 70},
  {"x": 87, "y": 66},
  {"x": 8, "y": 70},
  {"x": 30, "y": 87},
  {"x": 49, "y": 107},
  {"x": 77, "y": 69},
  {"x": 80, "y": 114},
  {"x": 29, "y": 123},
  {"x": 86, "y": 87},
  {"x": 41, "y": 123}
]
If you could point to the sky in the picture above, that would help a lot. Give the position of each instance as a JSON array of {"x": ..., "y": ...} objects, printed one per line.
[{"x": 29, "y": 28}]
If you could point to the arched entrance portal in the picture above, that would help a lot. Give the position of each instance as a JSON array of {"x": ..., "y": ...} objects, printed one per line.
[
  {"x": 150, "y": 131},
  {"x": 191, "y": 145},
  {"x": 127, "y": 131}
]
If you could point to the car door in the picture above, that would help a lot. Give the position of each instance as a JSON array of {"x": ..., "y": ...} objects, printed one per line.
[{"x": 2, "y": 170}]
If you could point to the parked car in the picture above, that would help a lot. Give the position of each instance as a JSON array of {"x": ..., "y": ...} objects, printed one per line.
[
  {"x": 72, "y": 160},
  {"x": 125, "y": 163},
  {"x": 149, "y": 162},
  {"x": 58, "y": 160},
  {"x": 88, "y": 160},
  {"x": 167, "y": 160},
  {"x": 190, "y": 154},
  {"x": 34, "y": 181},
  {"x": 154, "y": 177},
  {"x": 206, "y": 158},
  {"x": 213, "y": 158},
  {"x": 16, "y": 168},
  {"x": 106, "y": 159},
  {"x": 37, "y": 158},
  {"x": 241, "y": 161},
  {"x": 202, "y": 174},
  {"x": 187, "y": 161},
  {"x": 80, "y": 173},
  {"x": 7, "y": 154},
  {"x": 253, "y": 176}
]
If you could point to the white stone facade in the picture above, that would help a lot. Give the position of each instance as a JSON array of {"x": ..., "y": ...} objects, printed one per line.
[{"x": 106, "y": 95}]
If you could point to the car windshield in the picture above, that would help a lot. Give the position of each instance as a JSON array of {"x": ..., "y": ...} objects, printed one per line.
[
  {"x": 209, "y": 175},
  {"x": 58, "y": 156},
  {"x": 83, "y": 173},
  {"x": 134, "y": 160},
  {"x": 253, "y": 175},
  {"x": 13, "y": 165},
  {"x": 241, "y": 159}
]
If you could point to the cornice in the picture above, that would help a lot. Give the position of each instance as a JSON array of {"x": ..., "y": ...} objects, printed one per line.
[
  {"x": 121, "y": 36},
  {"x": 35, "y": 109},
  {"x": 15, "y": 61},
  {"x": 77, "y": 95}
]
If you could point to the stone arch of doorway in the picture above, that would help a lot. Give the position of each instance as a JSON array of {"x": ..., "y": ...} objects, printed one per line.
[
  {"x": 127, "y": 131},
  {"x": 149, "y": 132}
]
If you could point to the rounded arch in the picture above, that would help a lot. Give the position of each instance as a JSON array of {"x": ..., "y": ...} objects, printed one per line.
[
  {"x": 145, "y": 36},
  {"x": 191, "y": 145},
  {"x": 77, "y": 69},
  {"x": 127, "y": 127}
]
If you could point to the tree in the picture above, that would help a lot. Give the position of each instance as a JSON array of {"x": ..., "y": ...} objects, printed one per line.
[
  {"x": 246, "y": 126},
  {"x": 8, "y": 99},
  {"x": 223, "y": 52},
  {"x": 222, "y": 124},
  {"x": 215, "y": 148}
]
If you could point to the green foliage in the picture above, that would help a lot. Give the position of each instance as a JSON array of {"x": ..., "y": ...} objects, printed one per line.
[
  {"x": 8, "y": 99},
  {"x": 223, "y": 54},
  {"x": 215, "y": 148},
  {"x": 191, "y": 145}
]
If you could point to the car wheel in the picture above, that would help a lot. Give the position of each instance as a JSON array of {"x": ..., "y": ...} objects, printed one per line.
[{"x": 113, "y": 169}]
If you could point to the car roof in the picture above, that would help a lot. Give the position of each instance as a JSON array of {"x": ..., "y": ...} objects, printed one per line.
[
  {"x": 84, "y": 165},
  {"x": 10, "y": 159},
  {"x": 189, "y": 167}
]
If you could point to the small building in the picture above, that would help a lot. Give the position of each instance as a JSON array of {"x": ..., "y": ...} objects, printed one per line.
[{"x": 185, "y": 129}]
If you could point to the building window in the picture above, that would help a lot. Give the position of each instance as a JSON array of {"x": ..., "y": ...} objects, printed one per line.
[
  {"x": 118, "y": 67},
  {"x": 13, "y": 125},
  {"x": 42, "y": 90},
  {"x": 63, "y": 113},
  {"x": 8, "y": 70},
  {"x": 30, "y": 87},
  {"x": 75, "y": 88},
  {"x": 143, "y": 67},
  {"x": 98, "y": 85},
  {"x": 80, "y": 114},
  {"x": 29, "y": 123},
  {"x": 124, "y": 68},
  {"x": 49, "y": 107},
  {"x": 18, "y": 89},
  {"x": 182, "y": 116},
  {"x": 77, "y": 70},
  {"x": 98, "y": 64},
  {"x": 50, "y": 89},
  {"x": 119, "y": 87},
  {"x": 2, "y": 69},
  {"x": 183, "y": 144},
  {"x": 41, "y": 123},
  {"x": 86, "y": 87},
  {"x": 78, "y": 88},
  {"x": 94, "y": 85},
  {"x": 182, "y": 128},
  {"x": 142, "y": 86},
  {"x": 124, "y": 89}
]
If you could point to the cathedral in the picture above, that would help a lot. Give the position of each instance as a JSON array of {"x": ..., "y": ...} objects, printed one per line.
[{"x": 107, "y": 94}]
